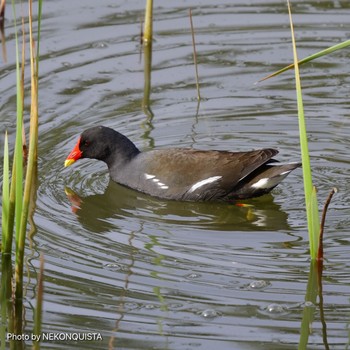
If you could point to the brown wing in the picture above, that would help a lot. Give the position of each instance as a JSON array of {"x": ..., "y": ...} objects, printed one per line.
[{"x": 189, "y": 174}]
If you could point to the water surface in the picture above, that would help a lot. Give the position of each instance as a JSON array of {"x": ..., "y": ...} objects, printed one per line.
[{"x": 153, "y": 274}]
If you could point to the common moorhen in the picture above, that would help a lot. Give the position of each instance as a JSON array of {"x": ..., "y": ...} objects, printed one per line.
[{"x": 182, "y": 173}]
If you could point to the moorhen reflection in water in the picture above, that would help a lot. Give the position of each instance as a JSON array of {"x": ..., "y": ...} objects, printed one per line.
[{"x": 103, "y": 212}]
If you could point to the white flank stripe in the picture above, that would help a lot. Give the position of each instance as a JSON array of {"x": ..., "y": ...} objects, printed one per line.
[
  {"x": 162, "y": 186},
  {"x": 204, "y": 182},
  {"x": 148, "y": 176},
  {"x": 282, "y": 163},
  {"x": 157, "y": 181}
]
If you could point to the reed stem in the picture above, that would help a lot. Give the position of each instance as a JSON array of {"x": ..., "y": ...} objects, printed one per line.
[
  {"x": 310, "y": 191},
  {"x": 148, "y": 31},
  {"x": 195, "y": 56}
]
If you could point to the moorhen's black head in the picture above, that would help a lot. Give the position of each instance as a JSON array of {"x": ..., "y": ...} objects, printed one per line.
[{"x": 104, "y": 144}]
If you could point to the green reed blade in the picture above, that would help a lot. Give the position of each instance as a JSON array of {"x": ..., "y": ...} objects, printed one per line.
[
  {"x": 315, "y": 224},
  {"x": 310, "y": 193},
  {"x": 324, "y": 52},
  {"x": 17, "y": 175},
  {"x": 40, "y": 10},
  {"x": 5, "y": 198},
  {"x": 32, "y": 159},
  {"x": 17, "y": 178}
]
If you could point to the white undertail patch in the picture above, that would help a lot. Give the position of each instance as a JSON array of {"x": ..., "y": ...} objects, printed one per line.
[
  {"x": 266, "y": 183},
  {"x": 262, "y": 183},
  {"x": 204, "y": 182}
]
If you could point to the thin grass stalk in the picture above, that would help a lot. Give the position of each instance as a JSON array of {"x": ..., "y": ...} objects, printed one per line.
[
  {"x": 323, "y": 220},
  {"x": 195, "y": 56},
  {"x": 310, "y": 191},
  {"x": 146, "y": 104},
  {"x": 147, "y": 45},
  {"x": 141, "y": 39},
  {"x": 2, "y": 9},
  {"x": 40, "y": 10},
  {"x": 148, "y": 31}
]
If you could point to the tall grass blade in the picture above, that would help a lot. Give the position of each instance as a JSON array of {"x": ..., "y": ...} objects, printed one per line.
[
  {"x": 7, "y": 204},
  {"x": 24, "y": 141},
  {"x": 32, "y": 158},
  {"x": 6, "y": 247},
  {"x": 17, "y": 172},
  {"x": 321, "y": 53},
  {"x": 310, "y": 193}
]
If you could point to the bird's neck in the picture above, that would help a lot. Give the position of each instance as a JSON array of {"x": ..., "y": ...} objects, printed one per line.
[{"x": 121, "y": 151}]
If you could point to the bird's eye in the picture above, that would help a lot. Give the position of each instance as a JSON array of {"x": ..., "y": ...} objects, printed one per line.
[{"x": 84, "y": 143}]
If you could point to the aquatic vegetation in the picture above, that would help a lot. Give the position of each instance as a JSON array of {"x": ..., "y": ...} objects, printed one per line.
[
  {"x": 18, "y": 194},
  {"x": 311, "y": 203},
  {"x": 315, "y": 229}
]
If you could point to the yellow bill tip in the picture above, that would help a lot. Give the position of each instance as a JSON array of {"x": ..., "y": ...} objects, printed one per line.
[{"x": 69, "y": 162}]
